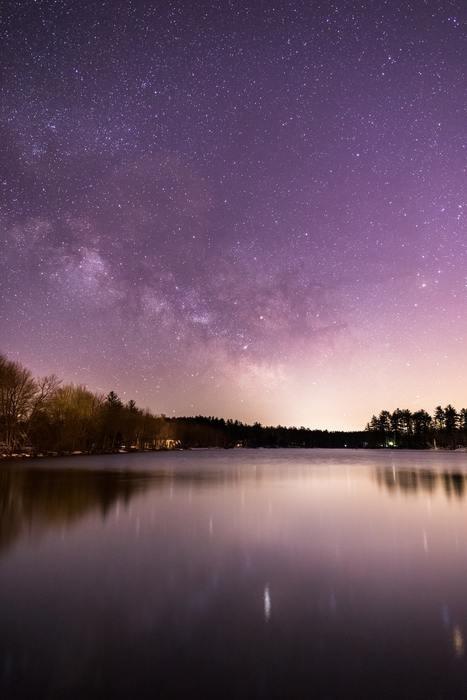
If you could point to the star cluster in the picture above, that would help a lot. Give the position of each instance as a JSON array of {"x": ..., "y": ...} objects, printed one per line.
[{"x": 254, "y": 210}]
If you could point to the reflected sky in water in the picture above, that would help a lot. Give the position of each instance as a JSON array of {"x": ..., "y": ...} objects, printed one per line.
[{"x": 268, "y": 573}]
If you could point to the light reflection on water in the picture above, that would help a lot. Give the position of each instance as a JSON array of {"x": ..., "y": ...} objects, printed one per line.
[{"x": 282, "y": 573}]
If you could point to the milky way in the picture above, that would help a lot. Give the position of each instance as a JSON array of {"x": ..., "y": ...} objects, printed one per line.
[{"x": 255, "y": 210}]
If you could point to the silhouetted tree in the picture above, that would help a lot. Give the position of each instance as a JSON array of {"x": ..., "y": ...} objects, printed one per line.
[
  {"x": 21, "y": 397},
  {"x": 451, "y": 424},
  {"x": 406, "y": 423},
  {"x": 421, "y": 422},
  {"x": 439, "y": 418}
]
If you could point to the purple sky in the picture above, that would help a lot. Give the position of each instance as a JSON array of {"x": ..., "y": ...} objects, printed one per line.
[{"x": 255, "y": 210}]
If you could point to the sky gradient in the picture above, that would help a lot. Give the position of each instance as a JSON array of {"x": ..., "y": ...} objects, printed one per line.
[{"x": 252, "y": 210}]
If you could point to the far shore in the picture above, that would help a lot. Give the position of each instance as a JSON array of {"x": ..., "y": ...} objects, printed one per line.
[{"x": 26, "y": 457}]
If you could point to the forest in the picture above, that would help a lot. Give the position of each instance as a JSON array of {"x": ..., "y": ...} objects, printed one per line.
[
  {"x": 43, "y": 416},
  {"x": 446, "y": 428}
]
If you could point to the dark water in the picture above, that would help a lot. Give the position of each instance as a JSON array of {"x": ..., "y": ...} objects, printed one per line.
[{"x": 235, "y": 574}]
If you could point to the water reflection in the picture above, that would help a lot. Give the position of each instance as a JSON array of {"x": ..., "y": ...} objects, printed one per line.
[
  {"x": 458, "y": 641},
  {"x": 253, "y": 574},
  {"x": 267, "y": 603},
  {"x": 414, "y": 481},
  {"x": 35, "y": 498}
]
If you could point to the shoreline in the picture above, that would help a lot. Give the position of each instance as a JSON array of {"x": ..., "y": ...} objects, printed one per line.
[{"x": 25, "y": 457}]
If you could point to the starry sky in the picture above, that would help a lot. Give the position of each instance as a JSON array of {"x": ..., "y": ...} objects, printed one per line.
[{"x": 248, "y": 209}]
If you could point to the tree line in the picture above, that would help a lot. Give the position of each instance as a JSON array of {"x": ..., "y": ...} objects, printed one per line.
[
  {"x": 446, "y": 428},
  {"x": 46, "y": 416}
]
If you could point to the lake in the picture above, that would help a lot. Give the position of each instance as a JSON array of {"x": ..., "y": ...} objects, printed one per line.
[{"x": 235, "y": 574}]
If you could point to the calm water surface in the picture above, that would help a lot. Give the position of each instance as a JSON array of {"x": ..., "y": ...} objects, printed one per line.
[{"x": 235, "y": 574}]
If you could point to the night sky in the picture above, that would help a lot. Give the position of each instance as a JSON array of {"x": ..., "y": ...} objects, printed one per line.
[{"x": 254, "y": 210}]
